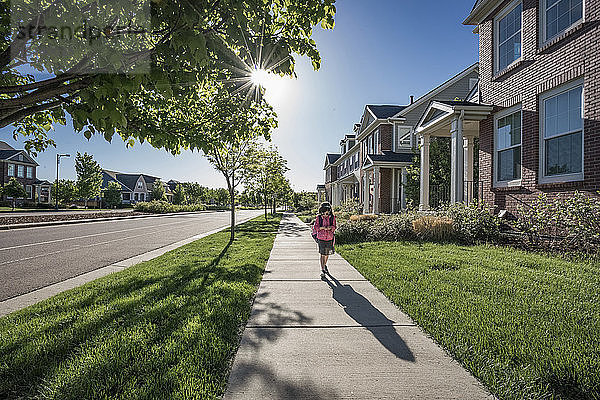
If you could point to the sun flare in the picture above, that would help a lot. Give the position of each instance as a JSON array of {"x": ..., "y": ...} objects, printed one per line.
[{"x": 261, "y": 77}]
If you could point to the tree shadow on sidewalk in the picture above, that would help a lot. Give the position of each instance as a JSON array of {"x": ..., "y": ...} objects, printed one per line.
[
  {"x": 279, "y": 388},
  {"x": 362, "y": 311}
]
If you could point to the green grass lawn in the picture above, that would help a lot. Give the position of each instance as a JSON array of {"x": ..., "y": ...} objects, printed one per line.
[
  {"x": 3, "y": 208},
  {"x": 164, "y": 329},
  {"x": 527, "y": 325}
]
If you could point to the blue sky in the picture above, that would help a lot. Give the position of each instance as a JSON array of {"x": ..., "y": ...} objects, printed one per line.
[{"x": 380, "y": 52}]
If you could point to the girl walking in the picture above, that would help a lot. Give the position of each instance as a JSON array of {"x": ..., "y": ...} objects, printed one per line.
[{"x": 324, "y": 229}]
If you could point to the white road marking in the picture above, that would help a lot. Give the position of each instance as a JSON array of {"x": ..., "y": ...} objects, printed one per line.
[
  {"x": 78, "y": 247},
  {"x": 86, "y": 236}
]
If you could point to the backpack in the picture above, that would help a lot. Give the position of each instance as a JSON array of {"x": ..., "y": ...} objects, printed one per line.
[{"x": 314, "y": 234}]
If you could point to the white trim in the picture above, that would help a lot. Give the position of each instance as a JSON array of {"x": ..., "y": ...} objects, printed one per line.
[
  {"x": 579, "y": 176},
  {"x": 503, "y": 13},
  {"x": 542, "y": 18},
  {"x": 497, "y": 117}
]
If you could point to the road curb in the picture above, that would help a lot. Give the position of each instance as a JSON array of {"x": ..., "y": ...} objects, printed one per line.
[
  {"x": 28, "y": 299},
  {"x": 83, "y": 221}
]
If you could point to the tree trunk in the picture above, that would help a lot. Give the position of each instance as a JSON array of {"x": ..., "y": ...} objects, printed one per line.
[{"x": 232, "y": 200}]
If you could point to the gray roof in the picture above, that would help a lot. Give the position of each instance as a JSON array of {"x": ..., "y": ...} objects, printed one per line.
[
  {"x": 331, "y": 158},
  {"x": 390, "y": 156},
  {"x": 459, "y": 103},
  {"x": 108, "y": 176},
  {"x": 385, "y": 111},
  {"x": 5, "y": 154}
]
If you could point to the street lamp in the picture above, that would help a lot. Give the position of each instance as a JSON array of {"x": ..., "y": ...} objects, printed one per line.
[{"x": 58, "y": 156}]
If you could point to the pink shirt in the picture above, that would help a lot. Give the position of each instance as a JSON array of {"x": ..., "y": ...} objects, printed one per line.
[{"x": 326, "y": 221}]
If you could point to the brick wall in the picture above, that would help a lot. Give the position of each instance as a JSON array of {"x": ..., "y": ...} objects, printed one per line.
[
  {"x": 385, "y": 191},
  {"x": 572, "y": 57},
  {"x": 386, "y": 137}
]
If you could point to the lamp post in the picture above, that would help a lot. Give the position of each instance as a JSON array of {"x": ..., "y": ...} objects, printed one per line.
[{"x": 58, "y": 156}]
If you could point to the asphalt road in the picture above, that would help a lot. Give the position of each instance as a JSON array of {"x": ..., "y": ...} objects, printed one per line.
[{"x": 32, "y": 258}]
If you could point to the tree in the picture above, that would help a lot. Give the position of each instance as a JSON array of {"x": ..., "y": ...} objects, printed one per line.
[
  {"x": 89, "y": 176},
  {"x": 179, "y": 195},
  {"x": 66, "y": 192},
  {"x": 263, "y": 171},
  {"x": 158, "y": 191},
  {"x": 185, "y": 42},
  {"x": 226, "y": 134},
  {"x": 112, "y": 194},
  {"x": 15, "y": 190}
]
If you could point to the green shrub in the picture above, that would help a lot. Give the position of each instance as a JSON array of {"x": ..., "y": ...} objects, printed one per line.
[
  {"x": 392, "y": 228},
  {"x": 353, "y": 232},
  {"x": 163, "y": 207},
  {"x": 473, "y": 223},
  {"x": 580, "y": 215},
  {"x": 382, "y": 228},
  {"x": 563, "y": 223}
]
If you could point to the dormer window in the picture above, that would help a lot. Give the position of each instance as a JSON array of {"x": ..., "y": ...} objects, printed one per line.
[
  {"x": 559, "y": 15},
  {"x": 508, "y": 36},
  {"x": 140, "y": 185}
]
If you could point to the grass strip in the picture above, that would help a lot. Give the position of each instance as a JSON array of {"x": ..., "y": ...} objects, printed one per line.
[
  {"x": 527, "y": 325},
  {"x": 163, "y": 329}
]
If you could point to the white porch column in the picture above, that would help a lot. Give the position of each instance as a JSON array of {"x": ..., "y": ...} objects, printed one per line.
[
  {"x": 366, "y": 193},
  {"x": 457, "y": 165},
  {"x": 424, "y": 185},
  {"x": 404, "y": 180},
  {"x": 393, "y": 195},
  {"x": 376, "y": 176},
  {"x": 468, "y": 156}
]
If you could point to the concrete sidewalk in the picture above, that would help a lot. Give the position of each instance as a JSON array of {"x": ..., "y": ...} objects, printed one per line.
[{"x": 339, "y": 339}]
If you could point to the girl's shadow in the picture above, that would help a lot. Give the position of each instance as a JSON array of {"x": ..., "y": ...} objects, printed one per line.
[{"x": 363, "y": 312}]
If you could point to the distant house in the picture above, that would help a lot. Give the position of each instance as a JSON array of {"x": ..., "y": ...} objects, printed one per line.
[
  {"x": 21, "y": 166},
  {"x": 371, "y": 167},
  {"x": 134, "y": 187}
]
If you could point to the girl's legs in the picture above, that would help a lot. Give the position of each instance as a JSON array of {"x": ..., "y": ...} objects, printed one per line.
[{"x": 324, "y": 262}]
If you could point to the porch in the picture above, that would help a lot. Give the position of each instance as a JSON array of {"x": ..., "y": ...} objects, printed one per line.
[
  {"x": 384, "y": 178},
  {"x": 458, "y": 120},
  {"x": 345, "y": 189}
]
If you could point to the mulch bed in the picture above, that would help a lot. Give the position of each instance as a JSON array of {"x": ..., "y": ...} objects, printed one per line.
[{"x": 26, "y": 219}]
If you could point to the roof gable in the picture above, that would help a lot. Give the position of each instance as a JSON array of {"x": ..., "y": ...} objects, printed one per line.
[
  {"x": 385, "y": 111},
  {"x": 17, "y": 155},
  {"x": 427, "y": 97}
]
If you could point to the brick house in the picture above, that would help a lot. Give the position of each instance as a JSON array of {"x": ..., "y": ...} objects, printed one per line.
[
  {"x": 21, "y": 166},
  {"x": 371, "y": 165},
  {"x": 540, "y": 71}
]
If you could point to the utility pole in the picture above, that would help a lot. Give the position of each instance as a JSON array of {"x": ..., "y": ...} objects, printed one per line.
[{"x": 58, "y": 156}]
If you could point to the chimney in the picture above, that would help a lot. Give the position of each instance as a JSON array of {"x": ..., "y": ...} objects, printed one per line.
[{"x": 412, "y": 99}]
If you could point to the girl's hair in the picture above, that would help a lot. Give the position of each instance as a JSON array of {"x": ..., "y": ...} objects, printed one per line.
[{"x": 326, "y": 207}]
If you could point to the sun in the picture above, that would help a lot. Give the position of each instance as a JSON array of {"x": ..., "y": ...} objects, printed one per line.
[{"x": 261, "y": 77}]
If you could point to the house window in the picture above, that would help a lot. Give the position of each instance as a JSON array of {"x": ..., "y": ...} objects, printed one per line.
[
  {"x": 11, "y": 169},
  {"x": 29, "y": 191},
  {"x": 562, "y": 140},
  {"x": 559, "y": 15},
  {"x": 29, "y": 172},
  {"x": 126, "y": 196},
  {"x": 21, "y": 171},
  {"x": 508, "y": 147},
  {"x": 142, "y": 196},
  {"x": 508, "y": 36},
  {"x": 140, "y": 186}
]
